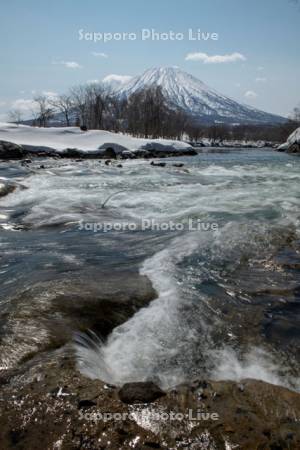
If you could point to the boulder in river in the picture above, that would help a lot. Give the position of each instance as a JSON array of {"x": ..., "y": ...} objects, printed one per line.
[
  {"x": 294, "y": 148},
  {"x": 159, "y": 164},
  {"x": 110, "y": 153},
  {"x": 112, "y": 150},
  {"x": 292, "y": 145},
  {"x": 140, "y": 392},
  {"x": 6, "y": 189},
  {"x": 71, "y": 153},
  {"x": 9, "y": 150}
]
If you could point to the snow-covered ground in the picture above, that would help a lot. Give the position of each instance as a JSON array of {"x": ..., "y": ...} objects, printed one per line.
[
  {"x": 294, "y": 138},
  {"x": 72, "y": 137},
  {"x": 235, "y": 143}
]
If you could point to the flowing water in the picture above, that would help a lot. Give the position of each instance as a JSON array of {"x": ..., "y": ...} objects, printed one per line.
[{"x": 228, "y": 295}]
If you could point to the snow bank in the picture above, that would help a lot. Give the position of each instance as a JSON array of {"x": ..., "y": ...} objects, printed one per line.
[
  {"x": 236, "y": 143},
  {"x": 294, "y": 138},
  {"x": 86, "y": 141}
]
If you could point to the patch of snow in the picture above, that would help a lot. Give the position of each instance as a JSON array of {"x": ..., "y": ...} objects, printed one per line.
[
  {"x": 294, "y": 138},
  {"x": 87, "y": 141}
]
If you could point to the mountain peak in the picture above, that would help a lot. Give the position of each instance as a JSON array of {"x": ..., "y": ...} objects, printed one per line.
[
  {"x": 161, "y": 75},
  {"x": 187, "y": 93}
]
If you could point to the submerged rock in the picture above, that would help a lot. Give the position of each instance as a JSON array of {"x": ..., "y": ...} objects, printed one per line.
[
  {"x": 47, "y": 314},
  {"x": 160, "y": 164},
  {"x": 6, "y": 189},
  {"x": 26, "y": 161}
]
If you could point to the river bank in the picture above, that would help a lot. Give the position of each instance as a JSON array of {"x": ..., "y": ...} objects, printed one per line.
[
  {"x": 85, "y": 311},
  {"x": 49, "y": 401}
]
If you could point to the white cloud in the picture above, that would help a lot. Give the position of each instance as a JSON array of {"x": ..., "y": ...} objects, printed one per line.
[
  {"x": 260, "y": 80},
  {"x": 118, "y": 79},
  {"x": 71, "y": 64},
  {"x": 24, "y": 105},
  {"x": 68, "y": 64},
  {"x": 250, "y": 94},
  {"x": 29, "y": 106},
  {"x": 50, "y": 94},
  {"x": 100, "y": 55},
  {"x": 93, "y": 81},
  {"x": 215, "y": 59}
]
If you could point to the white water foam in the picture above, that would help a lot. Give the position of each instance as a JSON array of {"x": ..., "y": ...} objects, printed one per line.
[
  {"x": 155, "y": 344},
  {"x": 256, "y": 364},
  {"x": 135, "y": 350}
]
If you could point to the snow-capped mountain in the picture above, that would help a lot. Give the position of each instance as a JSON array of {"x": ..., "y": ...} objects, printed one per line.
[
  {"x": 116, "y": 81},
  {"x": 188, "y": 93}
]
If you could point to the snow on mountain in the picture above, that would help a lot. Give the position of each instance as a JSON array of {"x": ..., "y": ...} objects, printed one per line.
[
  {"x": 188, "y": 93},
  {"x": 116, "y": 81}
]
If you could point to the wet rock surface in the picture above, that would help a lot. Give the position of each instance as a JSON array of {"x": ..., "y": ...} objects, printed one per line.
[
  {"x": 47, "y": 314},
  {"x": 8, "y": 150},
  {"x": 143, "y": 392},
  {"x": 294, "y": 148},
  {"x": 47, "y": 401},
  {"x": 6, "y": 189},
  {"x": 255, "y": 302}
]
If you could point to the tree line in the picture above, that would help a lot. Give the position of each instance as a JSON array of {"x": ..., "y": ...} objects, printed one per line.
[{"x": 144, "y": 113}]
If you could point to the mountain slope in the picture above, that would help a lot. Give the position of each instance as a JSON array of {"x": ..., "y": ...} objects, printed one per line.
[{"x": 191, "y": 95}]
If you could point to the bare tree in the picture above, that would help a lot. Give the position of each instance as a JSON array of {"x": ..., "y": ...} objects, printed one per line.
[
  {"x": 15, "y": 116},
  {"x": 93, "y": 105},
  {"x": 78, "y": 99},
  {"x": 64, "y": 104},
  {"x": 296, "y": 114},
  {"x": 97, "y": 101},
  {"x": 45, "y": 112},
  {"x": 147, "y": 113}
]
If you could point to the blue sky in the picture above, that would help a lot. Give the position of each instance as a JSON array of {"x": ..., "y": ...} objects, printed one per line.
[{"x": 40, "y": 48}]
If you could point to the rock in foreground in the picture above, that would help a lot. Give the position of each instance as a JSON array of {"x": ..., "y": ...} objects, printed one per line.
[
  {"x": 49, "y": 402},
  {"x": 8, "y": 150},
  {"x": 144, "y": 392}
]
